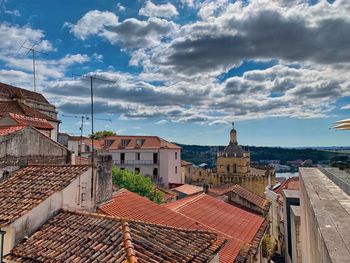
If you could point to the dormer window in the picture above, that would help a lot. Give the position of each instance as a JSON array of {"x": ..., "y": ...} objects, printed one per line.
[
  {"x": 124, "y": 142},
  {"x": 108, "y": 143},
  {"x": 139, "y": 142}
]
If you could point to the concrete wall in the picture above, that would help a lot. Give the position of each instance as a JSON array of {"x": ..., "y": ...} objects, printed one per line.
[
  {"x": 238, "y": 200},
  {"x": 73, "y": 146},
  {"x": 313, "y": 246},
  {"x": 104, "y": 187},
  {"x": 29, "y": 146},
  {"x": 295, "y": 234},
  {"x": 75, "y": 196}
]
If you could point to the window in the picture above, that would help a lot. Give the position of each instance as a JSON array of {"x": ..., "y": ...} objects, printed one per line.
[
  {"x": 139, "y": 142},
  {"x": 155, "y": 171},
  {"x": 137, "y": 170},
  {"x": 235, "y": 168},
  {"x": 175, "y": 155},
  {"x": 155, "y": 158},
  {"x": 138, "y": 156},
  {"x": 124, "y": 142},
  {"x": 109, "y": 142},
  {"x": 122, "y": 157},
  {"x": 228, "y": 168},
  {"x": 176, "y": 169}
]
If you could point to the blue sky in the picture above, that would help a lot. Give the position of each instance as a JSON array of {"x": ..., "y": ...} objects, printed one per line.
[{"x": 186, "y": 69}]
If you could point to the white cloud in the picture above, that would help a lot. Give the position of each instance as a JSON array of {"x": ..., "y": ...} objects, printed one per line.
[
  {"x": 93, "y": 23},
  {"x": 130, "y": 33},
  {"x": 345, "y": 107},
  {"x": 164, "y": 10}
]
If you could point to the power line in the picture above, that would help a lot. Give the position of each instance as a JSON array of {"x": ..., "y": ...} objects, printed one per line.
[{"x": 33, "y": 50}]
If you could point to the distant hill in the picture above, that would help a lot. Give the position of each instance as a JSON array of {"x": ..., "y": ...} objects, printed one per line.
[{"x": 207, "y": 154}]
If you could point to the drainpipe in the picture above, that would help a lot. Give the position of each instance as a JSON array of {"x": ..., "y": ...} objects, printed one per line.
[{"x": 2, "y": 234}]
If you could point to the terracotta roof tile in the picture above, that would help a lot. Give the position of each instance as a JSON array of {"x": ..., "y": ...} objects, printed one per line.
[
  {"x": 86, "y": 237},
  {"x": 243, "y": 193},
  {"x": 130, "y": 205},
  {"x": 147, "y": 142},
  {"x": 16, "y": 107},
  {"x": 188, "y": 189},
  {"x": 291, "y": 183},
  {"x": 30, "y": 186},
  {"x": 14, "y": 92},
  {"x": 35, "y": 122},
  {"x": 235, "y": 223},
  {"x": 6, "y": 130}
]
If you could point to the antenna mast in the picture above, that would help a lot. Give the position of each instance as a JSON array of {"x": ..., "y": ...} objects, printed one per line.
[
  {"x": 92, "y": 78},
  {"x": 33, "y": 50}
]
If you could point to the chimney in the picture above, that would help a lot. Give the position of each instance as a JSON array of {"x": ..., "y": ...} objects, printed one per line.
[{"x": 104, "y": 187}]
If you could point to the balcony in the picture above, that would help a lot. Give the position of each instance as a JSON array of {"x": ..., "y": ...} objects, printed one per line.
[{"x": 134, "y": 162}]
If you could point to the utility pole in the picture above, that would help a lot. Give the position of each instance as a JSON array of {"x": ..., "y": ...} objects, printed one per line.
[{"x": 33, "y": 50}]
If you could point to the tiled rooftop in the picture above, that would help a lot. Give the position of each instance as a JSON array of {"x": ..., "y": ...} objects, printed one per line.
[
  {"x": 29, "y": 186},
  {"x": 85, "y": 237},
  {"x": 243, "y": 193},
  {"x": 6, "y": 130},
  {"x": 14, "y": 92},
  {"x": 127, "y": 204},
  {"x": 35, "y": 122},
  {"x": 130, "y": 205},
  {"x": 291, "y": 183},
  {"x": 16, "y": 107},
  {"x": 235, "y": 223},
  {"x": 146, "y": 142},
  {"x": 188, "y": 189}
]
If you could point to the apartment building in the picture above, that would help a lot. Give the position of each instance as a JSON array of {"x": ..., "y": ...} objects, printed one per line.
[{"x": 149, "y": 155}]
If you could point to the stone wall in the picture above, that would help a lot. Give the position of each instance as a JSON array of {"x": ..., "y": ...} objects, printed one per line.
[
  {"x": 103, "y": 177},
  {"x": 29, "y": 146}
]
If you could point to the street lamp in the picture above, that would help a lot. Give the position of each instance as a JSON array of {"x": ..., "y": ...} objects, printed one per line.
[{"x": 2, "y": 234}]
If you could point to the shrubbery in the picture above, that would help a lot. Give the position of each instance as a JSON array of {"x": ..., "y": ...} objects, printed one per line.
[{"x": 136, "y": 183}]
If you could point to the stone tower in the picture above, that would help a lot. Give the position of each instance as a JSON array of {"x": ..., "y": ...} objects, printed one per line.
[{"x": 233, "y": 135}]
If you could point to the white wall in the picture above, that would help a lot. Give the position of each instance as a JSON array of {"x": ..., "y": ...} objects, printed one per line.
[
  {"x": 68, "y": 198},
  {"x": 166, "y": 165},
  {"x": 73, "y": 146}
]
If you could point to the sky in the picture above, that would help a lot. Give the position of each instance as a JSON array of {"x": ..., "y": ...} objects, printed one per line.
[{"x": 186, "y": 69}]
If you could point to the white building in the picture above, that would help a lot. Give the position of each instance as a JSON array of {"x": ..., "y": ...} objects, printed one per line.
[{"x": 149, "y": 155}]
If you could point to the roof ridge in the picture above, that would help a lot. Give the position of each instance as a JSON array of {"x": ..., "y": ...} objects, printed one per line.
[
  {"x": 127, "y": 242},
  {"x": 58, "y": 165},
  {"x": 190, "y": 201}
]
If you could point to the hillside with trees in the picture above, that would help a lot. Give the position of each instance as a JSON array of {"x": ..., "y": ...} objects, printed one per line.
[{"x": 207, "y": 154}]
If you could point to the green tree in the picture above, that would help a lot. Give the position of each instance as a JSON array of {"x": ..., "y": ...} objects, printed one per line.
[
  {"x": 136, "y": 183},
  {"x": 102, "y": 134}
]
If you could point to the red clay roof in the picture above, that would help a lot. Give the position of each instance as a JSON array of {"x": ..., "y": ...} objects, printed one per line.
[
  {"x": 127, "y": 204},
  {"x": 243, "y": 193},
  {"x": 14, "y": 92},
  {"x": 147, "y": 142},
  {"x": 235, "y": 223},
  {"x": 188, "y": 189},
  {"x": 291, "y": 183},
  {"x": 130, "y": 205},
  {"x": 88, "y": 237},
  {"x": 30, "y": 186},
  {"x": 6, "y": 130},
  {"x": 16, "y": 107},
  {"x": 35, "y": 122}
]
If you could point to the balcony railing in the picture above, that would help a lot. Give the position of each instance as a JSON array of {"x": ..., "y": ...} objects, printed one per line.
[{"x": 134, "y": 162}]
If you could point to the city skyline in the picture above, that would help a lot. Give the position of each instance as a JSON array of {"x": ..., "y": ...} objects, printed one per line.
[{"x": 184, "y": 70}]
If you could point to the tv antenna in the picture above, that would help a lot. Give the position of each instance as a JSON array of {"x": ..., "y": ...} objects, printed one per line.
[
  {"x": 92, "y": 78},
  {"x": 33, "y": 50}
]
